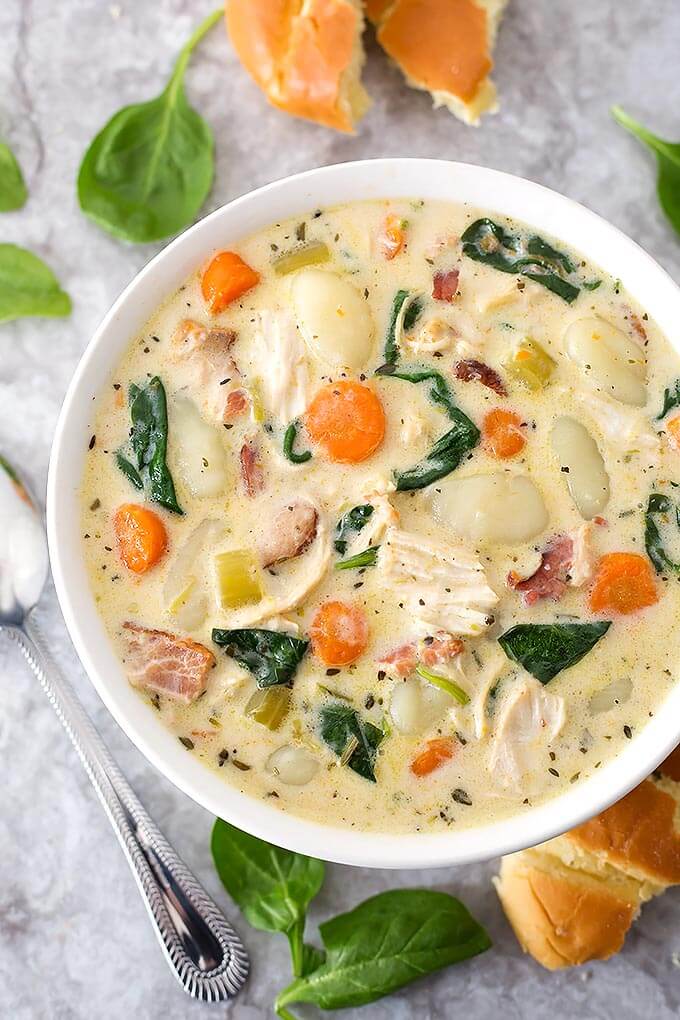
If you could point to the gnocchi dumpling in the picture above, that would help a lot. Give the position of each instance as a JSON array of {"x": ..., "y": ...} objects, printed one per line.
[
  {"x": 334, "y": 318},
  {"x": 292, "y": 765},
  {"x": 497, "y": 507},
  {"x": 198, "y": 448},
  {"x": 582, "y": 465},
  {"x": 416, "y": 706},
  {"x": 611, "y": 362}
]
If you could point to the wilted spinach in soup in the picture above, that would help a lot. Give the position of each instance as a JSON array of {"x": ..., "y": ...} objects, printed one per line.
[{"x": 381, "y": 514}]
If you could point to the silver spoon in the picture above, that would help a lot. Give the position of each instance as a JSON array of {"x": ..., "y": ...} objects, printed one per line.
[{"x": 202, "y": 949}]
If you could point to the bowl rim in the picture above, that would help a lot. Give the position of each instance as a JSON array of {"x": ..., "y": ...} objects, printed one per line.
[{"x": 502, "y": 194}]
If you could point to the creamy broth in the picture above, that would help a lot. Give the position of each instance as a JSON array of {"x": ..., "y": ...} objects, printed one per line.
[{"x": 583, "y": 492}]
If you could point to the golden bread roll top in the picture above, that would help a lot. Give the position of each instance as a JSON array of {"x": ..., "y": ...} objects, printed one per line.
[
  {"x": 638, "y": 835},
  {"x": 443, "y": 47},
  {"x": 563, "y": 917},
  {"x": 305, "y": 56}
]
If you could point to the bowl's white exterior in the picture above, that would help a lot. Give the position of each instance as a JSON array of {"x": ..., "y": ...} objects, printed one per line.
[{"x": 387, "y": 178}]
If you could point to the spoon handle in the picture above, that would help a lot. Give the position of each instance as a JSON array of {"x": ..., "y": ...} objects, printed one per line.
[{"x": 202, "y": 949}]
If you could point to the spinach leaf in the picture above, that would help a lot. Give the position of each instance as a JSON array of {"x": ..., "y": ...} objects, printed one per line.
[
  {"x": 350, "y": 524},
  {"x": 449, "y": 450},
  {"x": 545, "y": 649},
  {"x": 487, "y": 242},
  {"x": 410, "y": 318},
  {"x": 671, "y": 399},
  {"x": 13, "y": 193},
  {"x": 28, "y": 287},
  {"x": 385, "y": 943},
  {"x": 148, "y": 171},
  {"x": 367, "y": 558},
  {"x": 443, "y": 458},
  {"x": 272, "y": 887},
  {"x": 288, "y": 444},
  {"x": 659, "y": 504},
  {"x": 668, "y": 164},
  {"x": 270, "y": 655},
  {"x": 342, "y": 727},
  {"x": 149, "y": 440}
]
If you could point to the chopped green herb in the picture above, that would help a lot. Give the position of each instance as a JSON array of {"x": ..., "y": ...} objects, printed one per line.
[
  {"x": 367, "y": 558},
  {"x": 444, "y": 684},
  {"x": 288, "y": 444}
]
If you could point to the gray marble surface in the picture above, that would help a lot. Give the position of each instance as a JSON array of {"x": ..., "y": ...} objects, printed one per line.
[{"x": 74, "y": 939}]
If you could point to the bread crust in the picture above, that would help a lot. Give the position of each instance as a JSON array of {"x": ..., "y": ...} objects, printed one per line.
[{"x": 306, "y": 57}]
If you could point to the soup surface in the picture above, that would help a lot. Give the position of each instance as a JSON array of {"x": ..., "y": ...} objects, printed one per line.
[{"x": 380, "y": 514}]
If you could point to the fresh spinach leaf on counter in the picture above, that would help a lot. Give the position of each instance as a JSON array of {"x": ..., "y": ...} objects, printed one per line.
[
  {"x": 385, "y": 943},
  {"x": 270, "y": 655},
  {"x": 487, "y": 242},
  {"x": 545, "y": 649},
  {"x": 28, "y": 287},
  {"x": 668, "y": 164},
  {"x": 343, "y": 729},
  {"x": 449, "y": 450},
  {"x": 289, "y": 444},
  {"x": 671, "y": 399},
  {"x": 149, "y": 170},
  {"x": 13, "y": 193},
  {"x": 149, "y": 441},
  {"x": 367, "y": 558},
  {"x": 271, "y": 886},
  {"x": 660, "y": 504},
  {"x": 350, "y": 524},
  {"x": 411, "y": 315}
]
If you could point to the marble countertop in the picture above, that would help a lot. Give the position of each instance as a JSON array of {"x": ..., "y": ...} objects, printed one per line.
[{"x": 74, "y": 938}]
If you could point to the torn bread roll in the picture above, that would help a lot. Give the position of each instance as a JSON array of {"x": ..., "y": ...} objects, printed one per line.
[
  {"x": 443, "y": 47},
  {"x": 306, "y": 55},
  {"x": 573, "y": 899}
]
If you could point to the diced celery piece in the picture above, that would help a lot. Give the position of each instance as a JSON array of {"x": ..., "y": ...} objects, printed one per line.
[
  {"x": 239, "y": 579},
  {"x": 180, "y": 600},
  {"x": 530, "y": 364},
  {"x": 269, "y": 707},
  {"x": 256, "y": 405},
  {"x": 308, "y": 255}
]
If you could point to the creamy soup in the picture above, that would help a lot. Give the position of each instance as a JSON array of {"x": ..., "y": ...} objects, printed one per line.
[{"x": 379, "y": 513}]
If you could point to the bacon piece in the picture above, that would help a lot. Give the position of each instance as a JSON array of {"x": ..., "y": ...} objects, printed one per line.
[
  {"x": 442, "y": 648},
  {"x": 164, "y": 663},
  {"x": 471, "y": 370},
  {"x": 290, "y": 533},
  {"x": 251, "y": 469},
  {"x": 445, "y": 284},
  {"x": 237, "y": 403},
  {"x": 551, "y": 578},
  {"x": 431, "y": 651}
]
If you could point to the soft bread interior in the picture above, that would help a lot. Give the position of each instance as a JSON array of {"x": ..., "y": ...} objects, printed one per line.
[
  {"x": 443, "y": 47},
  {"x": 306, "y": 55}
]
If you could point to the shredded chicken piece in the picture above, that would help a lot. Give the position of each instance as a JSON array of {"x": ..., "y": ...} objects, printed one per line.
[
  {"x": 384, "y": 516},
  {"x": 484, "y": 684},
  {"x": 312, "y": 569},
  {"x": 289, "y": 533},
  {"x": 285, "y": 377},
  {"x": 457, "y": 331},
  {"x": 625, "y": 427},
  {"x": 251, "y": 468},
  {"x": 441, "y": 585},
  {"x": 529, "y": 721},
  {"x": 436, "y": 335},
  {"x": 440, "y": 244},
  {"x": 582, "y": 564},
  {"x": 161, "y": 662},
  {"x": 413, "y": 426},
  {"x": 214, "y": 375}
]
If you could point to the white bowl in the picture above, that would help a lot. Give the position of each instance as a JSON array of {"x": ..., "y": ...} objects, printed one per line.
[{"x": 489, "y": 190}]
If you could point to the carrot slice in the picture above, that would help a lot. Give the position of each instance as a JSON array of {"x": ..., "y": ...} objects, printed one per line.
[
  {"x": 673, "y": 429},
  {"x": 141, "y": 536},
  {"x": 347, "y": 420},
  {"x": 436, "y": 753},
  {"x": 227, "y": 278},
  {"x": 339, "y": 633},
  {"x": 502, "y": 434},
  {"x": 624, "y": 583},
  {"x": 392, "y": 238}
]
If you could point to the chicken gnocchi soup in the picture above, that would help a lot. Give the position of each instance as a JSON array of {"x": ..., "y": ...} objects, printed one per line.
[{"x": 381, "y": 514}]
